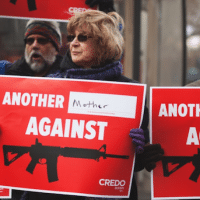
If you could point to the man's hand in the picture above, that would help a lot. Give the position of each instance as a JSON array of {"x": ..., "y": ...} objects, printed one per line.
[
  {"x": 104, "y": 5},
  {"x": 138, "y": 139}
]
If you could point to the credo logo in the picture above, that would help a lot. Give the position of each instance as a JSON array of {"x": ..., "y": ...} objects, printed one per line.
[
  {"x": 73, "y": 10},
  {"x": 112, "y": 182}
]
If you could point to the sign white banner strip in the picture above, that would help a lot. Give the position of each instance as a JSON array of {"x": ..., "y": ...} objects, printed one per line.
[{"x": 102, "y": 104}]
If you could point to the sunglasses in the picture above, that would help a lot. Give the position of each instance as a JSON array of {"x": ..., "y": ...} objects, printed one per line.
[
  {"x": 41, "y": 41},
  {"x": 80, "y": 37}
]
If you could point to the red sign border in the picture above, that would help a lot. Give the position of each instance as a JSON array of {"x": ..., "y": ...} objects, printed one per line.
[{"x": 82, "y": 80}]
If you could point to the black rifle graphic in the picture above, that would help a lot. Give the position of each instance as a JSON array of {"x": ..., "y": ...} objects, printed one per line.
[
  {"x": 181, "y": 161},
  {"x": 51, "y": 153},
  {"x": 31, "y": 4}
]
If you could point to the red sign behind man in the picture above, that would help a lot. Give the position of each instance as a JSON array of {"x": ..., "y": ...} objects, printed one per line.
[
  {"x": 175, "y": 114},
  {"x": 68, "y": 136},
  {"x": 51, "y": 9}
]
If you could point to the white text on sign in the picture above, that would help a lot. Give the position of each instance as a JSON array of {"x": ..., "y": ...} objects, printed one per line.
[
  {"x": 183, "y": 110},
  {"x": 33, "y": 99},
  {"x": 72, "y": 128}
]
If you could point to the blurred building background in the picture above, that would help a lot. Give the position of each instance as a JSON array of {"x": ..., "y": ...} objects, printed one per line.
[{"x": 162, "y": 47}]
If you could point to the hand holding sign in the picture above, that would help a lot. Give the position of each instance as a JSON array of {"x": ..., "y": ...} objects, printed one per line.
[
  {"x": 138, "y": 139},
  {"x": 104, "y": 5},
  {"x": 152, "y": 154}
]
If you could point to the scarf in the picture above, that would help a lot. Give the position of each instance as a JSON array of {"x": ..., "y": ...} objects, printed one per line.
[{"x": 109, "y": 72}]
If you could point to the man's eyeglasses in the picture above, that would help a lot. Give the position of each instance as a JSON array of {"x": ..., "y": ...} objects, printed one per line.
[
  {"x": 41, "y": 41},
  {"x": 81, "y": 38}
]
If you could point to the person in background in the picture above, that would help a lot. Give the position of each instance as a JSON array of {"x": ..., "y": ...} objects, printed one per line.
[
  {"x": 41, "y": 58},
  {"x": 95, "y": 48},
  {"x": 103, "y": 5},
  {"x": 3, "y": 63}
]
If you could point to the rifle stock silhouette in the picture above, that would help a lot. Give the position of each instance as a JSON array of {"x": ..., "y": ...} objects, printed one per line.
[
  {"x": 51, "y": 153},
  {"x": 31, "y": 4},
  {"x": 181, "y": 161}
]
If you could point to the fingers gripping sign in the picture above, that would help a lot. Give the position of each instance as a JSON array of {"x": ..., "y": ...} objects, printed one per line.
[{"x": 138, "y": 139}]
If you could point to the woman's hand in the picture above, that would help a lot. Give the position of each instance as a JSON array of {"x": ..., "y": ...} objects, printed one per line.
[{"x": 138, "y": 139}]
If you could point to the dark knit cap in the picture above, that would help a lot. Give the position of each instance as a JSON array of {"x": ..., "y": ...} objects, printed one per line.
[{"x": 45, "y": 28}]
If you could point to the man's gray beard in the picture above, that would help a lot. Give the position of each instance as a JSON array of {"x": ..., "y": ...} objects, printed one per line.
[{"x": 40, "y": 67}]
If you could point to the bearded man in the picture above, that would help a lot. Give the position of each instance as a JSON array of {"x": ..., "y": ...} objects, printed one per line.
[{"x": 41, "y": 56}]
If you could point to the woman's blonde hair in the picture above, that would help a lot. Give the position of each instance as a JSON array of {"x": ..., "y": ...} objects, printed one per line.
[{"x": 106, "y": 29}]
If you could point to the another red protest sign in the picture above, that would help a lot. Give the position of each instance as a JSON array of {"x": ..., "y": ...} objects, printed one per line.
[
  {"x": 175, "y": 125},
  {"x": 5, "y": 193},
  {"x": 68, "y": 136},
  {"x": 51, "y": 9}
]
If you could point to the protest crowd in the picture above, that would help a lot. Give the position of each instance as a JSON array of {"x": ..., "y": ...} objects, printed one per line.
[{"x": 96, "y": 47}]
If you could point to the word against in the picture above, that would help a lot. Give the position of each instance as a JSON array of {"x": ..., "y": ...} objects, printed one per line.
[
  {"x": 72, "y": 128},
  {"x": 193, "y": 137},
  {"x": 33, "y": 99},
  {"x": 182, "y": 110}
]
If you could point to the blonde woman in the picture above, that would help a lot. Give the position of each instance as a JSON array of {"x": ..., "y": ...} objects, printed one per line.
[{"x": 95, "y": 48}]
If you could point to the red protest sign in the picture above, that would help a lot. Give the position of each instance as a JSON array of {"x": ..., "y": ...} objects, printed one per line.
[
  {"x": 175, "y": 125},
  {"x": 53, "y": 130},
  {"x": 59, "y": 10},
  {"x": 5, "y": 193}
]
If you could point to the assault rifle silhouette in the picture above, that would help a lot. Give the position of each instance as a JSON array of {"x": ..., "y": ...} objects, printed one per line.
[
  {"x": 38, "y": 152},
  {"x": 31, "y": 4},
  {"x": 181, "y": 161}
]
